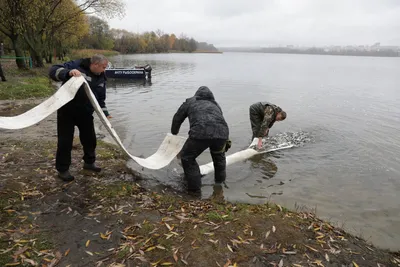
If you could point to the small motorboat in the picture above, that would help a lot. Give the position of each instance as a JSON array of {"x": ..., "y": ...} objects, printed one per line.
[{"x": 136, "y": 72}]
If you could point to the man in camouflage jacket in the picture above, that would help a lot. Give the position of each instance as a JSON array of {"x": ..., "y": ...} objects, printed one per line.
[
  {"x": 263, "y": 115},
  {"x": 208, "y": 129}
]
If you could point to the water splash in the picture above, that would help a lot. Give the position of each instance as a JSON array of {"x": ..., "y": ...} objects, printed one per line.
[{"x": 297, "y": 139}]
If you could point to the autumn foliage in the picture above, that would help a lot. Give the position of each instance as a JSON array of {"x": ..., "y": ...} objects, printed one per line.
[{"x": 43, "y": 29}]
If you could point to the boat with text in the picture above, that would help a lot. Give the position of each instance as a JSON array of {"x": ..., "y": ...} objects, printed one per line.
[{"x": 135, "y": 72}]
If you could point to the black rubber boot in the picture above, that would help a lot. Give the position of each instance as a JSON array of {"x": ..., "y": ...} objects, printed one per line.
[
  {"x": 66, "y": 176},
  {"x": 218, "y": 193},
  {"x": 91, "y": 167},
  {"x": 194, "y": 193}
]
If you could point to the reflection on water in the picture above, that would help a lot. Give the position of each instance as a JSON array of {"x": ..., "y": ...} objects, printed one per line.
[
  {"x": 128, "y": 83},
  {"x": 342, "y": 118},
  {"x": 264, "y": 165}
]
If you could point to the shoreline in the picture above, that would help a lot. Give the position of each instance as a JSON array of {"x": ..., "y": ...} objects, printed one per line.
[
  {"x": 311, "y": 54},
  {"x": 176, "y": 52},
  {"x": 298, "y": 238}
]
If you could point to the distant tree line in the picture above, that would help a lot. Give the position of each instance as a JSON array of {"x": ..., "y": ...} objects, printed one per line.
[
  {"x": 148, "y": 42},
  {"x": 100, "y": 36},
  {"x": 44, "y": 28},
  {"x": 322, "y": 51},
  {"x": 315, "y": 51}
]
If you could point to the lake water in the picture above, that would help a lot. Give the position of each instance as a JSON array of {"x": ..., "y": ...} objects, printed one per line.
[{"x": 345, "y": 108}]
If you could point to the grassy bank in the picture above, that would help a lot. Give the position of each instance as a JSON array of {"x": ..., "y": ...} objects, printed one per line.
[
  {"x": 82, "y": 53},
  {"x": 35, "y": 83},
  {"x": 109, "y": 219},
  {"x": 22, "y": 84}
]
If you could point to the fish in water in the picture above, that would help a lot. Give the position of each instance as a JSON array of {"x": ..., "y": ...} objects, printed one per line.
[{"x": 296, "y": 139}]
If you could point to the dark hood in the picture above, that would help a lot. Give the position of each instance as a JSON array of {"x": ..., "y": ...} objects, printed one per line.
[
  {"x": 85, "y": 63},
  {"x": 204, "y": 93}
]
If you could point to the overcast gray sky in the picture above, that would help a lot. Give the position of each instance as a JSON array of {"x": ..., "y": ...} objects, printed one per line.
[{"x": 268, "y": 22}]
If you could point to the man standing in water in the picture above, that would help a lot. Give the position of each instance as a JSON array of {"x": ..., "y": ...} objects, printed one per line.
[
  {"x": 79, "y": 112},
  {"x": 208, "y": 129},
  {"x": 263, "y": 115}
]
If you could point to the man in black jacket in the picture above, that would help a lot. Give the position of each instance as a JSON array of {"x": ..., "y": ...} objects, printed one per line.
[
  {"x": 79, "y": 112},
  {"x": 263, "y": 115},
  {"x": 208, "y": 129}
]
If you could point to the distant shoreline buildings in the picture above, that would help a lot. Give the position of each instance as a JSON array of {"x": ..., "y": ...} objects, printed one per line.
[{"x": 376, "y": 50}]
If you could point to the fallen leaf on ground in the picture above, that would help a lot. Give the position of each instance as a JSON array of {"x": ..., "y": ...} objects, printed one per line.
[
  {"x": 155, "y": 263},
  {"x": 267, "y": 234},
  {"x": 227, "y": 263},
  {"x": 13, "y": 264},
  {"x": 169, "y": 227},
  {"x": 150, "y": 248},
  {"x": 313, "y": 249},
  {"x": 318, "y": 263},
  {"x": 289, "y": 252},
  {"x": 103, "y": 236}
]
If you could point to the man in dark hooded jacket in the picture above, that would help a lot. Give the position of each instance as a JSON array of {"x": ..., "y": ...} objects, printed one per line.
[
  {"x": 263, "y": 115},
  {"x": 208, "y": 129},
  {"x": 78, "y": 112}
]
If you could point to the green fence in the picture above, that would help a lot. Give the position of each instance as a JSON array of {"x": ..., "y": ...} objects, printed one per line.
[{"x": 27, "y": 59}]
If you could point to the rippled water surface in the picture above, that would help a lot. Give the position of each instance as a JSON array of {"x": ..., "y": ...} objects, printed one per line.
[{"x": 343, "y": 116}]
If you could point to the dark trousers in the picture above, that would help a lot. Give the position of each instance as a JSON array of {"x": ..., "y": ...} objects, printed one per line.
[
  {"x": 3, "y": 78},
  {"x": 255, "y": 121},
  {"x": 67, "y": 119},
  {"x": 192, "y": 149}
]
